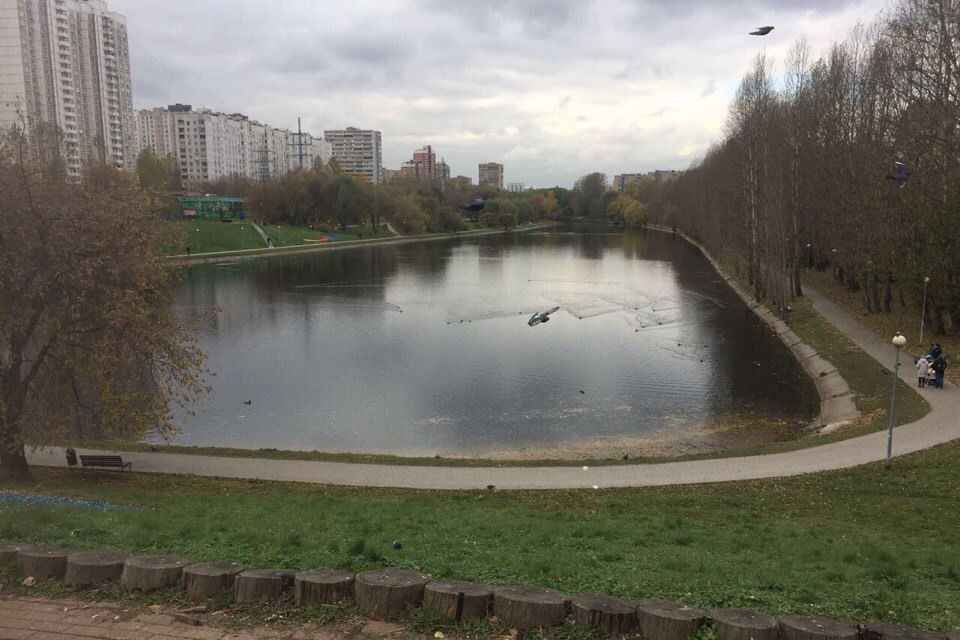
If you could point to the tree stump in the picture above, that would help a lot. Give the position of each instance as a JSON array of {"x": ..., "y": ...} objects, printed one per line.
[
  {"x": 885, "y": 631},
  {"x": 744, "y": 624},
  {"x": 816, "y": 628},
  {"x": 529, "y": 607},
  {"x": 612, "y": 615},
  {"x": 386, "y": 594},
  {"x": 261, "y": 585},
  {"x": 93, "y": 567},
  {"x": 325, "y": 586},
  {"x": 42, "y": 563},
  {"x": 458, "y": 600},
  {"x": 151, "y": 573},
  {"x": 9, "y": 552},
  {"x": 665, "y": 620},
  {"x": 202, "y": 581}
]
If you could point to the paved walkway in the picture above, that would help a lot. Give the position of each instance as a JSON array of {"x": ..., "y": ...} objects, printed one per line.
[
  {"x": 41, "y": 619},
  {"x": 939, "y": 426}
]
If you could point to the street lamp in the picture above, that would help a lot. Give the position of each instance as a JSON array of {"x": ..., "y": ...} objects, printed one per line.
[
  {"x": 899, "y": 341},
  {"x": 923, "y": 314}
]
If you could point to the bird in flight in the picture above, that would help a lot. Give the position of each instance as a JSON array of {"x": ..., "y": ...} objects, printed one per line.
[
  {"x": 761, "y": 31},
  {"x": 900, "y": 174},
  {"x": 541, "y": 316}
]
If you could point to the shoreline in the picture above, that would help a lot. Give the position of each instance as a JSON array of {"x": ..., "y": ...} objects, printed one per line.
[
  {"x": 301, "y": 249},
  {"x": 837, "y": 407}
]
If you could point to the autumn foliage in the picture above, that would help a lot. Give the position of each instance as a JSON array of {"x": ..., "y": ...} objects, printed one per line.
[{"x": 89, "y": 344}]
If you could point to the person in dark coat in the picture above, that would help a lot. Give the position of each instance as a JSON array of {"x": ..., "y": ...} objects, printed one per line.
[
  {"x": 935, "y": 352},
  {"x": 939, "y": 369}
]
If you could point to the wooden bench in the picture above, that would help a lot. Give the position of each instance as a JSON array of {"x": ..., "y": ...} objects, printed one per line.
[{"x": 105, "y": 462}]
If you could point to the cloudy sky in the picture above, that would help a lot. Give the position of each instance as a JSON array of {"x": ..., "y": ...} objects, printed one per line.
[{"x": 551, "y": 88}]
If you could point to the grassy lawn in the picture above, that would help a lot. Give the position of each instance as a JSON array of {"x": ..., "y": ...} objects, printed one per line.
[
  {"x": 867, "y": 544},
  {"x": 286, "y": 236},
  {"x": 203, "y": 236}
]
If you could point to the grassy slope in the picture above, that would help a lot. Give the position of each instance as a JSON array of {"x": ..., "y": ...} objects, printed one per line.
[
  {"x": 287, "y": 236},
  {"x": 865, "y": 544},
  {"x": 203, "y": 236}
]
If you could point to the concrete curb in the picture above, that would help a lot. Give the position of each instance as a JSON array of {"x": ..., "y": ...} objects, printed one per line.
[{"x": 836, "y": 399}]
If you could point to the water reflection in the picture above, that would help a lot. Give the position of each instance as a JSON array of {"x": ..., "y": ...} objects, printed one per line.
[{"x": 424, "y": 349}]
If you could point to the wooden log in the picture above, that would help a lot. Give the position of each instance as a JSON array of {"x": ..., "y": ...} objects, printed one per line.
[
  {"x": 152, "y": 573},
  {"x": 208, "y": 579},
  {"x": 886, "y": 631},
  {"x": 325, "y": 586},
  {"x": 611, "y": 615},
  {"x": 458, "y": 600},
  {"x": 816, "y": 628},
  {"x": 8, "y": 554},
  {"x": 261, "y": 585},
  {"x": 744, "y": 624},
  {"x": 42, "y": 563},
  {"x": 665, "y": 620},
  {"x": 387, "y": 594},
  {"x": 88, "y": 568},
  {"x": 529, "y": 607}
]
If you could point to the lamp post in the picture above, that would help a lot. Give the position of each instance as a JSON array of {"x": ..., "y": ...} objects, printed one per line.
[
  {"x": 899, "y": 341},
  {"x": 923, "y": 314}
]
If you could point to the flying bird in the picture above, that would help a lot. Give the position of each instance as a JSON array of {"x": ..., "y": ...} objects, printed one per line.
[
  {"x": 541, "y": 316},
  {"x": 761, "y": 31},
  {"x": 900, "y": 174}
]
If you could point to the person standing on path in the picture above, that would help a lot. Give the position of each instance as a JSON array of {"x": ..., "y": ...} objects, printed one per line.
[
  {"x": 939, "y": 368},
  {"x": 923, "y": 370}
]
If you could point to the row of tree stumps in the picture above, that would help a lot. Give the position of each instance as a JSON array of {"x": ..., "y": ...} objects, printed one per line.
[{"x": 389, "y": 594}]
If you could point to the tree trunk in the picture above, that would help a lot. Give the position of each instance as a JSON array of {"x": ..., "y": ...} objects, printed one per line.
[{"x": 13, "y": 457}]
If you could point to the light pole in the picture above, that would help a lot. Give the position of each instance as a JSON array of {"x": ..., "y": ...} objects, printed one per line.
[
  {"x": 898, "y": 341},
  {"x": 923, "y": 314}
]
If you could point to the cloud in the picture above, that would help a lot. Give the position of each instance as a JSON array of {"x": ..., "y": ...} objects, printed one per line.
[{"x": 553, "y": 88}]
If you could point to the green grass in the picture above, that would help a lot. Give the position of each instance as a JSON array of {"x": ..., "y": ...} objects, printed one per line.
[
  {"x": 288, "y": 236},
  {"x": 203, "y": 236},
  {"x": 865, "y": 544}
]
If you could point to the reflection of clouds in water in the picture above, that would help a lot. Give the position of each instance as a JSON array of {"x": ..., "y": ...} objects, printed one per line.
[
  {"x": 587, "y": 299},
  {"x": 322, "y": 300}
]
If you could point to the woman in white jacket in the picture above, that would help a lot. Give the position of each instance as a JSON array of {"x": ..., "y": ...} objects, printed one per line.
[{"x": 923, "y": 370}]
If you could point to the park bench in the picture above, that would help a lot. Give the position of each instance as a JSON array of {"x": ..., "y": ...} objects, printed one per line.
[{"x": 105, "y": 462}]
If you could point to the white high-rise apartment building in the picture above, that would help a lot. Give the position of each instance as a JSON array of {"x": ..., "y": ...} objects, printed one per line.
[
  {"x": 359, "y": 152},
  {"x": 208, "y": 145},
  {"x": 307, "y": 152},
  {"x": 67, "y": 63}
]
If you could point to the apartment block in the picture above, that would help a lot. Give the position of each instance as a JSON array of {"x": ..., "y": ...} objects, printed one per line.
[
  {"x": 491, "y": 174},
  {"x": 66, "y": 64},
  {"x": 209, "y": 145},
  {"x": 306, "y": 152},
  {"x": 359, "y": 152}
]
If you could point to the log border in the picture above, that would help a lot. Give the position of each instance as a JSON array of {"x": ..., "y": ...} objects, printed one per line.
[{"x": 864, "y": 631}]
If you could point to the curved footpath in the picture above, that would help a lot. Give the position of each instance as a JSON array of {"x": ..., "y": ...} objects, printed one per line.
[{"x": 939, "y": 426}]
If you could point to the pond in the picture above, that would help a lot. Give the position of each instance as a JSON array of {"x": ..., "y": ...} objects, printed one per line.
[{"x": 424, "y": 349}]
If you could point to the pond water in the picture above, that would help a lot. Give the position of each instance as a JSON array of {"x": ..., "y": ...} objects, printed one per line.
[{"x": 424, "y": 349}]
